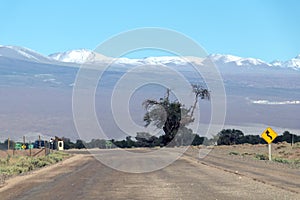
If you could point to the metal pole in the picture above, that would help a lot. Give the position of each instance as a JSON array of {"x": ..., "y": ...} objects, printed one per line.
[
  {"x": 270, "y": 148},
  {"x": 8, "y": 144}
]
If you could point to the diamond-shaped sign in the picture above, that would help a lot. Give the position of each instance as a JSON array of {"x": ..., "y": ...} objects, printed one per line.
[{"x": 269, "y": 135}]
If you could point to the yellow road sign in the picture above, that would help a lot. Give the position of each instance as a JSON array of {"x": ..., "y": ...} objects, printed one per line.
[
  {"x": 23, "y": 146},
  {"x": 269, "y": 135}
]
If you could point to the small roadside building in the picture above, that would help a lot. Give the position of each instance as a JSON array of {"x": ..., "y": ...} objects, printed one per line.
[{"x": 59, "y": 143}]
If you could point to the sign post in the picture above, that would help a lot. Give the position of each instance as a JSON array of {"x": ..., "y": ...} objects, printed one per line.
[
  {"x": 270, "y": 151},
  {"x": 269, "y": 135}
]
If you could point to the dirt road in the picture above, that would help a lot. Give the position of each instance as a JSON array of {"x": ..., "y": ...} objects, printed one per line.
[{"x": 84, "y": 177}]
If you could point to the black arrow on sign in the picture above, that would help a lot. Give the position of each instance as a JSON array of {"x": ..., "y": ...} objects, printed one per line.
[{"x": 268, "y": 134}]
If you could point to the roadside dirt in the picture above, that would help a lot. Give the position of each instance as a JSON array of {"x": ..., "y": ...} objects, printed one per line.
[{"x": 281, "y": 175}]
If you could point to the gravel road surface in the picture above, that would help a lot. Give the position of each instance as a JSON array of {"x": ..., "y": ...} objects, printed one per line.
[{"x": 215, "y": 177}]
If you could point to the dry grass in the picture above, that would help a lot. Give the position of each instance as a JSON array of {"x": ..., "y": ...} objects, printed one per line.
[{"x": 13, "y": 165}]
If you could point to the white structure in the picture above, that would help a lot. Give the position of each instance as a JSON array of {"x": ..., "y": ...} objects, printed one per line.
[{"x": 60, "y": 145}]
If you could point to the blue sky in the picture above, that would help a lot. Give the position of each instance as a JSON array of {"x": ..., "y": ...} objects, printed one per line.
[{"x": 265, "y": 29}]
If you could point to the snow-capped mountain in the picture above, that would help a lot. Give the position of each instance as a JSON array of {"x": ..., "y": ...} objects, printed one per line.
[
  {"x": 87, "y": 56},
  {"x": 21, "y": 53},
  {"x": 276, "y": 63},
  {"x": 294, "y": 63},
  {"x": 221, "y": 60},
  {"x": 79, "y": 56},
  {"x": 237, "y": 61},
  {"x": 162, "y": 60}
]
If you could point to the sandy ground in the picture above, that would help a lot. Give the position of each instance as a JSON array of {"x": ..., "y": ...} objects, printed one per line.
[{"x": 279, "y": 150}]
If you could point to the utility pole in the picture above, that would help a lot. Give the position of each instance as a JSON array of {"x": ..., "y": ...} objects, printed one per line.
[{"x": 40, "y": 142}]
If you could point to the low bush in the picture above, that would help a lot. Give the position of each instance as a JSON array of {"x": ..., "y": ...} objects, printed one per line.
[
  {"x": 247, "y": 154},
  {"x": 261, "y": 157},
  {"x": 282, "y": 160},
  {"x": 234, "y": 153}
]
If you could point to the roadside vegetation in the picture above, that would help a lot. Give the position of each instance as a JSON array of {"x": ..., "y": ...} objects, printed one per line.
[
  {"x": 14, "y": 165},
  {"x": 185, "y": 137},
  {"x": 282, "y": 152},
  {"x": 233, "y": 137}
]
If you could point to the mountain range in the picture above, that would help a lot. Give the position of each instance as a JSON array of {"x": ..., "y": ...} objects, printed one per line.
[{"x": 81, "y": 56}]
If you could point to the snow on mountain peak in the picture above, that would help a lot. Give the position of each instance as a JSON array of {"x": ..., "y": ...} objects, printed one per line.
[
  {"x": 165, "y": 60},
  {"x": 294, "y": 63},
  {"x": 73, "y": 56},
  {"x": 78, "y": 56},
  {"x": 223, "y": 58},
  {"x": 87, "y": 56},
  {"x": 276, "y": 63},
  {"x": 236, "y": 60},
  {"x": 81, "y": 56},
  {"x": 22, "y": 53}
]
